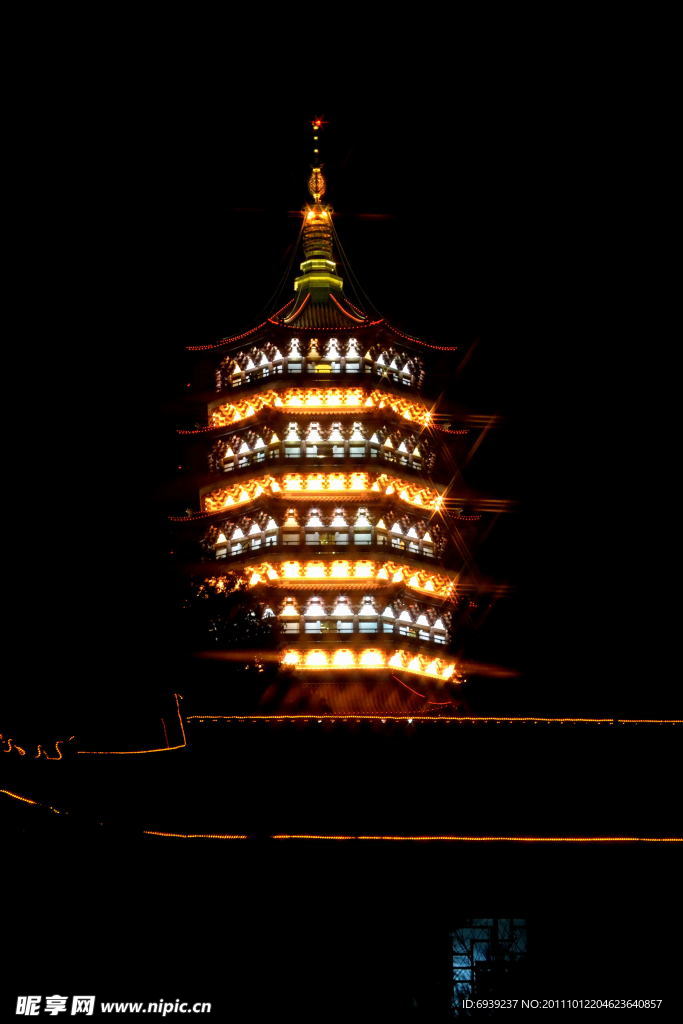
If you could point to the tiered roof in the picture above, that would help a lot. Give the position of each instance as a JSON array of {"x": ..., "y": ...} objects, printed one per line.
[{"x": 258, "y": 384}]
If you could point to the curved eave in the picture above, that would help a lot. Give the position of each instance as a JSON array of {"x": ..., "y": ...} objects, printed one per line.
[
  {"x": 332, "y": 313},
  {"x": 302, "y": 314},
  {"x": 249, "y": 333},
  {"x": 418, "y": 341}
]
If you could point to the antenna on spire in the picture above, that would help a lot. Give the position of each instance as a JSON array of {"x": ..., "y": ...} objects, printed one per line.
[
  {"x": 317, "y": 125},
  {"x": 316, "y": 182}
]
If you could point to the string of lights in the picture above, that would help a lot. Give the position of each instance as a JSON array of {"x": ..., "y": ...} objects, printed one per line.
[
  {"x": 323, "y": 837},
  {"x": 494, "y": 719},
  {"x": 297, "y": 309},
  {"x": 327, "y": 837},
  {"x": 425, "y": 344},
  {"x": 202, "y": 719},
  {"x": 17, "y": 796},
  {"x": 345, "y": 311}
]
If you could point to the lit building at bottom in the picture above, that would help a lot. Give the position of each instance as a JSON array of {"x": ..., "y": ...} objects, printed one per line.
[{"x": 487, "y": 954}]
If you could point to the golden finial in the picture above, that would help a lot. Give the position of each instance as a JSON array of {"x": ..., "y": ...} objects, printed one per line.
[{"x": 316, "y": 184}]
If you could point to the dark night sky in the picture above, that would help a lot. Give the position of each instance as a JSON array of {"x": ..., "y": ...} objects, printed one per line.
[{"x": 164, "y": 222}]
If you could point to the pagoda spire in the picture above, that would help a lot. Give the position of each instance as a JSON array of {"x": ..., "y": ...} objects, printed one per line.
[{"x": 318, "y": 269}]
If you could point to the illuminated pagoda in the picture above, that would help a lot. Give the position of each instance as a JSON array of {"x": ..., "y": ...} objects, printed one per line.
[{"x": 327, "y": 487}]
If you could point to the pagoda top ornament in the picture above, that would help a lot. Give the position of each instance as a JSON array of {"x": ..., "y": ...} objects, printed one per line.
[{"x": 316, "y": 184}]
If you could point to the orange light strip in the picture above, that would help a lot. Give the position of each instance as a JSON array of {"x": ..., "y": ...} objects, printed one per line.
[
  {"x": 501, "y": 839},
  {"x": 41, "y": 753},
  {"x": 433, "y": 718},
  {"x": 347, "y": 572},
  {"x": 303, "y": 485},
  {"x": 652, "y": 721},
  {"x": 372, "y": 659},
  {"x": 381, "y": 838},
  {"x": 321, "y": 400},
  {"x": 191, "y": 835},
  {"x": 11, "y": 745},
  {"x": 15, "y": 796},
  {"x": 430, "y": 839},
  {"x": 147, "y": 750}
]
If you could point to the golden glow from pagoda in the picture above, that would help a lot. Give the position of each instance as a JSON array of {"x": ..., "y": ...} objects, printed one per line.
[
  {"x": 292, "y": 485},
  {"x": 333, "y": 399},
  {"x": 352, "y": 572},
  {"x": 372, "y": 658}
]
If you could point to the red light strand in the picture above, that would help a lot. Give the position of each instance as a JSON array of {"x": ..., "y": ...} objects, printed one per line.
[
  {"x": 426, "y": 344},
  {"x": 297, "y": 312},
  {"x": 345, "y": 311}
]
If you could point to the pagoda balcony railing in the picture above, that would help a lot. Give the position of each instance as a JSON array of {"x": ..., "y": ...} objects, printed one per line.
[
  {"x": 308, "y": 542},
  {"x": 320, "y": 369},
  {"x": 359, "y": 631},
  {"x": 325, "y": 455}
]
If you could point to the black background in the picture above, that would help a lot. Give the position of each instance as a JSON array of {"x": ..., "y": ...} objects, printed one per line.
[
  {"x": 508, "y": 229},
  {"x": 523, "y": 211}
]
